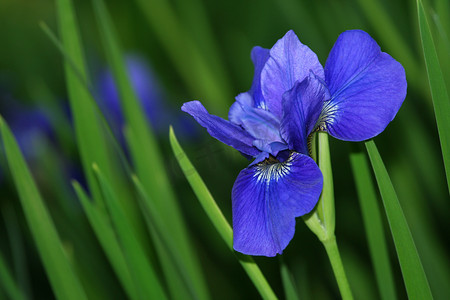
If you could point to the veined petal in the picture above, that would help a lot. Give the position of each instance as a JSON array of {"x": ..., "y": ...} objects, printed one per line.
[
  {"x": 367, "y": 87},
  {"x": 225, "y": 131},
  {"x": 267, "y": 198},
  {"x": 302, "y": 106},
  {"x": 259, "y": 57},
  {"x": 290, "y": 61}
]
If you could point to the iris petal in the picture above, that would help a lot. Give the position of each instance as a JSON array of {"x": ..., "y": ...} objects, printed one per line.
[
  {"x": 290, "y": 61},
  {"x": 367, "y": 87},
  {"x": 260, "y": 123},
  {"x": 302, "y": 106},
  {"x": 259, "y": 57},
  {"x": 267, "y": 198},
  {"x": 225, "y": 131}
]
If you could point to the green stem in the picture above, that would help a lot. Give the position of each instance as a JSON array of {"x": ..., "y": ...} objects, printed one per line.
[
  {"x": 338, "y": 268},
  {"x": 321, "y": 221}
]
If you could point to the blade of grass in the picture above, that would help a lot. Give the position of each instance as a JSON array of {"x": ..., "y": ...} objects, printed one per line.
[
  {"x": 217, "y": 218},
  {"x": 439, "y": 94},
  {"x": 8, "y": 283},
  {"x": 196, "y": 72},
  {"x": 17, "y": 249},
  {"x": 148, "y": 163},
  {"x": 106, "y": 236},
  {"x": 373, "y": 225},
  {"x": 88, "y": 128},
  {"x": 63, "y": 280},
  {"x": 195, "y": 21},
  {"x": 168, "y": 246},
  {"x": 361, "y": 281},
  {"x": 422, "y": 221},
  {"x": 177, "y": 284},
  {"x": 414, "y": 277},
  {"x": 142, "y": 271},
  {"x": 290, "y": 290},
  {"x": 88, "y": 122}
]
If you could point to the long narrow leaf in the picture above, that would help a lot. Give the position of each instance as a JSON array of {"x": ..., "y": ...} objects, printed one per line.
[
  {"x": 149, "y": 163},
  {"x": 142, "y": 271},
  {"x": 64, "y": 281},
  {"x": 167, "y": 244},
  {"x": 441, "y": 101},
  {"x": 15, "y": 237},
  {"x": 373, "y": 225},
  {"x": 8, "y": 283},
  {"x": 290, "y": 290},
  {"x": 195, "y": 70},
  {"x": 414, "y": 276},
  {"x": 88, "y": 128},
  {"x": 217, "y": 218},
  {"x": 107, "y": 238}
]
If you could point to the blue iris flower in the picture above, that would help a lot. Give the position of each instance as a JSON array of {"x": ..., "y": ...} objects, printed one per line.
[{"x": 354, "y": 98}]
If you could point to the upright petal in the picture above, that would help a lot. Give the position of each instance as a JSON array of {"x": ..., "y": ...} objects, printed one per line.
[
  {"x": 259, "y": 57},
  {"x": 267, "y": 198},
  {"x": 367, "y": 87},
  {"x": 225, "y": 131},
  {"x": 290, "y": 61},
  {"x": 302, "y": 106}
]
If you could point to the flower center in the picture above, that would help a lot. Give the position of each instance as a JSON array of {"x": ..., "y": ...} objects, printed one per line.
[{"x": 272, "y": 169}]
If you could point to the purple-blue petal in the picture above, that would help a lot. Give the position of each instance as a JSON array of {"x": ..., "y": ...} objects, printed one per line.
[
  {"x": 290, "y": 61},
  {"x": 302, "y": 106},
  {"x": 260, "y": 123},
  {"x": 259, "y": 57},
  {"x": 267, "y": 198},
  {"x": 270, "y": 147},
  {"x": 367, "y": 87},
  {"x": 223, "y": 130}
]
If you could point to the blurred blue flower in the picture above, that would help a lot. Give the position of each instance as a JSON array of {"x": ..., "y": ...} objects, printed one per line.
[
  {"x": 354, "y": 98},
  {"x": 150, "y": 95},
  {"x": 31, "y": 127}
]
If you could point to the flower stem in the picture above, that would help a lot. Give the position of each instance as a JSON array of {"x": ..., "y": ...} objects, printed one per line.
[
  {"x": 338, "y": 268},
  {"x": 321, "y": 220}
]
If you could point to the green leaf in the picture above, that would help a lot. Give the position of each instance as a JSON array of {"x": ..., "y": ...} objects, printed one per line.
[
  {"x": 441, "y": 101},
  {"x": 414, "y": 277},
  {"x": 290, "y": 291},
  {"x": 15, "y": 237},
  {"x": 172, "y": 263},
  {"x": 142, "y": 271},
  {"x": 88, "y": 127},
  {"x": 102, "y": 227},
  {"x": 8, "y": 283},
  {"x": 62, "y": 278},
  {"x": 373, "y": 225},
  {"x": 149, "y": 163},
  {"x": 217, "y": 218},
  {"x": 197, "y": 72}
]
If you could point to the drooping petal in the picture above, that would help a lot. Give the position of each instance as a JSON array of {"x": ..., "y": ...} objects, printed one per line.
[
  {"x": 367, "y": 87},
  {"x": 267, "y": 198},
  {"x": 259, "y": 57},
  {"x": 260, "y": 123},
  {"x": 225, "y": 131},
  {"x": 290, "y": 61},
  {"x": 302, "y": 106}
]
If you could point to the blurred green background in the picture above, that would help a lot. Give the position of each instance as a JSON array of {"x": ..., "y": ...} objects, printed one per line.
[{"x": 200, "y": 49}]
